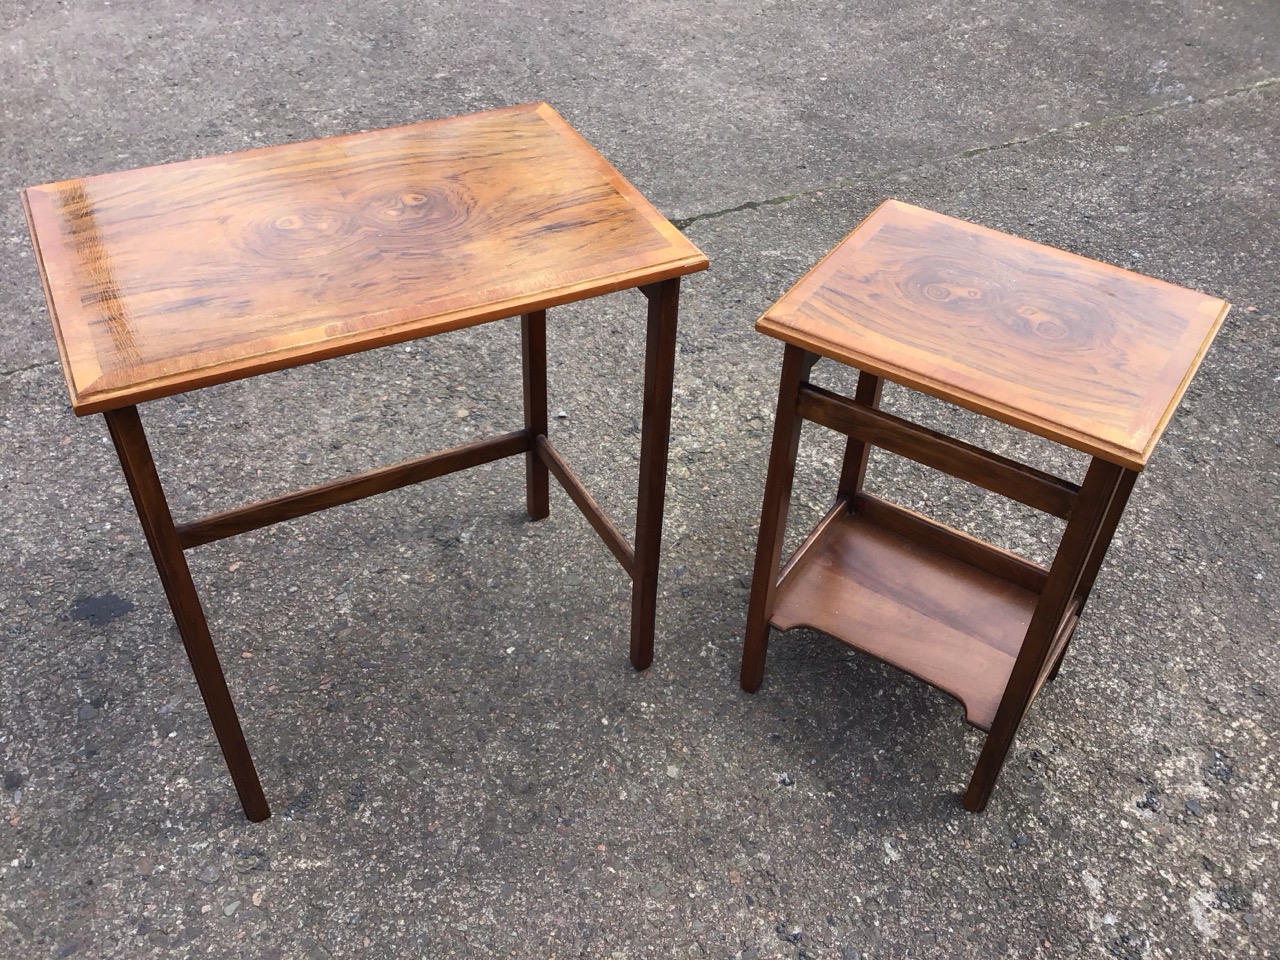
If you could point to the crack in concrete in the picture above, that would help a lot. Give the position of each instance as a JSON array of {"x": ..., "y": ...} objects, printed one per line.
[
  {"x": 684, "y": 223},
  {"x": 30, "y": 366}
]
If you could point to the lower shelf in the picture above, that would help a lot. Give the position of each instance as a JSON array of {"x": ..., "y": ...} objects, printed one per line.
[{"x": 951, "y": 624}]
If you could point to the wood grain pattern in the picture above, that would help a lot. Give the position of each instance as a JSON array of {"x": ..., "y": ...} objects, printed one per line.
[
  {"x": 941, "y": 538},
  {"x": 857, "y": 451},
  {"x": 139, "y": 468},
  {"x": 533, "y": 373},
  {"x": 168, "y": 278},
  {"x": 952, "y": 625},
  {"x": 300, "y": 503},
  {"x": 1058, "y": 602},
  {"x": 550, "y": 458},
  {"x": 651, "y": 492},
  {"x": 797, "y": 364},
  {"x": 964, "y": 461},
  {"x": 1081, "y": 352}
]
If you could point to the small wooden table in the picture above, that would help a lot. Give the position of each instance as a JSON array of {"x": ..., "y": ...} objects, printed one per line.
[
  {"x": 171, "y": 278},
  {"x": 1082, "y": 353}
]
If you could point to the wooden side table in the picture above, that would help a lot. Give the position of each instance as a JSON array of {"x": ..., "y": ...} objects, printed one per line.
[
  {"x": 1082, "y": 353},
  {"x": 171, "y": 278}
]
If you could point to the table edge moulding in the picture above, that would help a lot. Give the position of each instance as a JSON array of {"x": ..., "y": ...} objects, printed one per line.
[
  {"x": 176, "y": 277},
  {"x": 1082, "y": 353},
  {"x": 98, "y": 274},
  {"x": 930, "y": 370}
]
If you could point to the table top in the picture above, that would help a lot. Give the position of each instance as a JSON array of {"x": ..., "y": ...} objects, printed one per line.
[
  {"x": 1081, "y": 352},
  {"x": 168, "y": 278}
]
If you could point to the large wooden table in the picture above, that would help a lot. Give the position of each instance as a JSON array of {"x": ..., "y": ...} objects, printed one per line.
[{"x": 171, "y": 278}]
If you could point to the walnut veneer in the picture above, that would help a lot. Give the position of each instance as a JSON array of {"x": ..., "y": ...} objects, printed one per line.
[
  {"x": 170, "y": 278},
  {"x": 1082, "y": 353},
  {"x": 178, "y": 276}
]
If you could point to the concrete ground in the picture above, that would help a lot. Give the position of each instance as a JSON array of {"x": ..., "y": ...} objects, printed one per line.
[{"x": 460, "y": 759}]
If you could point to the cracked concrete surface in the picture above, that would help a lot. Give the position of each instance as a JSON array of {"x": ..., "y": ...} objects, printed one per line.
[
  {"x": 685, "y": 222},
  {"x": 459, "y": 759}
]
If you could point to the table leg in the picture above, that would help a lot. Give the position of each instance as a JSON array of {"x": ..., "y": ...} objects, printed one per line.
[
  {"x": 533, "y": 354},
  {"x": 157, "y": 523},
  {"x": 1075, "y": 557},
  {"x": 796, "y": 364},
  {"x": 1094, "y": 564},
  {"x": 856, "y": 451},
  {"x": 655, "y": 433}
]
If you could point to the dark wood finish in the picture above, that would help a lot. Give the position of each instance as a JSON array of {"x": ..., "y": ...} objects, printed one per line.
[
  {"x": 1079, "y": 540},
  {"x": 172, "y": 278},
  {"x": 796, "y": 366},
  {"x": 299, "y": 503},
  {"x": 659, "y": 373},
  {"x": 1058, "y": 649},
  {"x": 954, "y": 543},
  {"x": 839, "y": 510},
  {"x": 533, "y": 367},
  {"x": 962, "y": 460},
  {"x": 950, "y": 624},
  {"x": 1099, "y": 553},
  {"x": 169, "y": 278},
  {"x": 610, "y": 534},
  {"x": 139, "y": 468},
  {"x": 1093, "y": 565},
  {"x": 1080, "y": 352},
  {"x": 857, "y": 451}
]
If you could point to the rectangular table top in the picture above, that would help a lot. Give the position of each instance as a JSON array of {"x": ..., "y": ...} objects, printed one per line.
[
  {"x": 1084, "y": 353},
  {"x": 168, "y": 278}
]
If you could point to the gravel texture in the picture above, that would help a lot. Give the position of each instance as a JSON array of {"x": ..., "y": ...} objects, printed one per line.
[{"x": 460, "y": 761}]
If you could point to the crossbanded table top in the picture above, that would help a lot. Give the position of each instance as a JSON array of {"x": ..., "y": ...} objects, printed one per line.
[
  {"x": 168, "y": 278},
  {"x": 1082, "y": 352}
]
